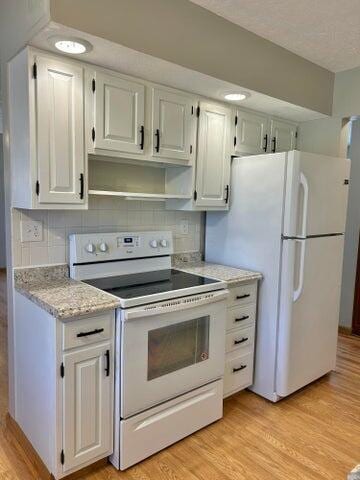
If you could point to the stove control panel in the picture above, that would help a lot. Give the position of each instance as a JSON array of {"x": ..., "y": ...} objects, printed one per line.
[{"x": 99, "y": 247}]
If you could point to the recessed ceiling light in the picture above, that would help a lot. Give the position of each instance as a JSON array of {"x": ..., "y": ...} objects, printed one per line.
[
  {"x": 73, "y": 46},
  {"x": 236, "y": 97}
]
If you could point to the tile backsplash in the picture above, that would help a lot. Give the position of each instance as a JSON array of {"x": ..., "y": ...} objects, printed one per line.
[{"x": 105, "y": 214}]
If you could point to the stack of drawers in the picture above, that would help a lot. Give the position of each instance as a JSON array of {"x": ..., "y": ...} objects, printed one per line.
[{"x": 240, "y": 337}]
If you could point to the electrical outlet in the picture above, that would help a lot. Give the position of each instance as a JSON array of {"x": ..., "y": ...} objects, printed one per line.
[
  {"x": 184, "y": 227},
  {"x": 31, "y": 231}
]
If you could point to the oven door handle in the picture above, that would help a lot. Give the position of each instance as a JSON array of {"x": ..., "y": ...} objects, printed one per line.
[{"x": 176, "y": 304}]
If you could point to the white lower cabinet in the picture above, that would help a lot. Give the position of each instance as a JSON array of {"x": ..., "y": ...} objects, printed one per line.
[
  {"x": 87, "y": 396},
  {"x": 87, "y": 390},
  {"x": 240, "y": 338},
  {"x": 64, "y": 382}
]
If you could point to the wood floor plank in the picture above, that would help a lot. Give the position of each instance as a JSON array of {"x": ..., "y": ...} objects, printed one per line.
[{"x": 312, "y": 435}]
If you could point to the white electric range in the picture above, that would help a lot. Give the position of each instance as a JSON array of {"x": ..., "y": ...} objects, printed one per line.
[{"x": 170, "y": 339}]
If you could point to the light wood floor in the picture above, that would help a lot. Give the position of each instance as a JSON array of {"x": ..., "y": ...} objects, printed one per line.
[{"x": 313, "y": 435}]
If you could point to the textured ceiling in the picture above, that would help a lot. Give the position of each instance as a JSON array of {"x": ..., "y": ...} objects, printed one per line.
[{"x": 326, "y": 32}]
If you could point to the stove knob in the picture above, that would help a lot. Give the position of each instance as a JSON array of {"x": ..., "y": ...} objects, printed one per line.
[
  {"x": 90, "y": 248},
  {"x": 103, "y": 247},
  {"x": 153, "y": 243},
  {"x": 163, "y": 243}
]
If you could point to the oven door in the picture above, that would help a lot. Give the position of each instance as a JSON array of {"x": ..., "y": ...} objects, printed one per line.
[{"x": 170, "y": 348}]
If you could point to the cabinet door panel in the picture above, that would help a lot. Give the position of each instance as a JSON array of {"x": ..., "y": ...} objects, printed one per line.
[
  {"x": 88, "y": 405},
  {"x": 250, "y": 133},
  {"x": 60, "y": 131},
  {"x": 173, "y": 118},
  {"x": 119, "y": 114},
  {"x": 213, "y": 158},
  {"x": 283, "y": 136}
]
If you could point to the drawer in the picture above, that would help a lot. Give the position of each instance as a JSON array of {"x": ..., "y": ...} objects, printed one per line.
[
  {"x": 243, "y": 294},
  {"x": 238, "y": 372},
  {"x": 241, "y": 340},
  {"x": 239, "y": 317},
  {"x": 148, "y": 432},
  {"x": 88, "y": 330}
]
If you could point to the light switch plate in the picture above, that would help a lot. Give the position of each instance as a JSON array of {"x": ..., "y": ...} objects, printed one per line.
[{"x": 31, "y": 231}]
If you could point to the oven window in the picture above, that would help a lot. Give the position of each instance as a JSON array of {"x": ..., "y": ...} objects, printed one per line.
[{"x": 177, "y": 346}]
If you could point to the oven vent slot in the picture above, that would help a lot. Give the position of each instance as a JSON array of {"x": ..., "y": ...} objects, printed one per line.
[{"x": 180, "y": 302}]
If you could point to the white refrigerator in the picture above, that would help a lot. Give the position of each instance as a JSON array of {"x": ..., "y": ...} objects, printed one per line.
[{"x": 287, "y": 220}]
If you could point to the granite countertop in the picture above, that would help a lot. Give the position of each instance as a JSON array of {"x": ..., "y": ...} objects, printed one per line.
[
  {"x": 230, "y": 275},
  {"x": 53, "y": 290}
]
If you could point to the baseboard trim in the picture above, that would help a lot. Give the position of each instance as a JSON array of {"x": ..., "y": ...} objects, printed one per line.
[
  {"x": 345, "y": 330},
  {"x": 32, "y": 457}
]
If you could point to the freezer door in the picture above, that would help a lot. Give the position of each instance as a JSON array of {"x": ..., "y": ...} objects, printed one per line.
[
  {"x": 316, "y": 194},
  {"x": 309, "y": 311}
]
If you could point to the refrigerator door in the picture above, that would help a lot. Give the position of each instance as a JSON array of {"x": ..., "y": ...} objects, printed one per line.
[
  {"x": 316, "y": 194},
  {"x": 309, "y": 311}
]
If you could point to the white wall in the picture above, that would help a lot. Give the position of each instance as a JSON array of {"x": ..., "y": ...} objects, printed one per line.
[
  {"x": 106, "y": 214},
  {"x": 352, "y": 230},
  {"x": 2, "y": 208},
  {"x": 320, "y": 136},
  {"x": 347, "y": 93}
]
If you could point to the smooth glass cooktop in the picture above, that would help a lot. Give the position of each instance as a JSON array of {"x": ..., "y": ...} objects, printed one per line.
[{"x": 149, "y": 283}]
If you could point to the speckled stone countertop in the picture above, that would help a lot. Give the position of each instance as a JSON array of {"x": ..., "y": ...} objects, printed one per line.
[
  {"x": 51, "y": 288},
  {"x": 230, "y": 275}
]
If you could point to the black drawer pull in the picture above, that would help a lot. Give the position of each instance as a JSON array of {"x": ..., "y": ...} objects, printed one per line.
[
  {"x": 237, "y": 342},
  {"x": 92, "y": 332},
  {"x": 245, "y": 317},
  {"x": 239, "y": 368},
  {"x": 107, "y": 368},
  {"x": 240, "y": 297}
]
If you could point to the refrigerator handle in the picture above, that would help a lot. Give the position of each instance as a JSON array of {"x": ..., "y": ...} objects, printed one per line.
[
  {"x": 297, "y": 293},
  {"x": 305, "y": 186}
]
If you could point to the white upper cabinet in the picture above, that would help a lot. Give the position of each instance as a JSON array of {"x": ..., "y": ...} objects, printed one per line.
[
  {"x": 119, "y": 109},
  {"x": 60, "y": 131},
  {"x": 213, "y": 156},
  {"x": 46, "y": 101},
  {"x": 174, "y": 125},
  {"x": 251, "y": 133},
  {"x": 283, "y": 136}
]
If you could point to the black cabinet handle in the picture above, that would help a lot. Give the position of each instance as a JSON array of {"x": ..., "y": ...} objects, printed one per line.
[
  {"x": 240, "y": 319},
  {"x": 142, "y": 137},
  {"x": 81, "y": 193},
  {"x": 92, "y": 332},
  {"x": 237, "y": 342},
  {"x": 239, "y": 297},
  {"x": 107, "y": 368},
  {"x": 239, "y": 368},
  {"x": 274, "y": 144},
  {"x": 157, "y": 145},
  {"x": 227, "y": 190},
  {"x": 266, "y": 143}
]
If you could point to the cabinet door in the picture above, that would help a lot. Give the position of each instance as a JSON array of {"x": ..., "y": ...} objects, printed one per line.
[
  {"x": 173, "y": 125},
  {"x": 213, "y": 156},
  {"x": 251, "y": 133},
  {"x": 119, "y": 114},
  {"x": 60, "y": 131},
  {"x": 88, "y": 404},
  {"x": 283, "y": 136}
]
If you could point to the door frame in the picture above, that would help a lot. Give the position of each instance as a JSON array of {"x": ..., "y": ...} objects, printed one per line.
[{"x": 356, "y": 309}]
